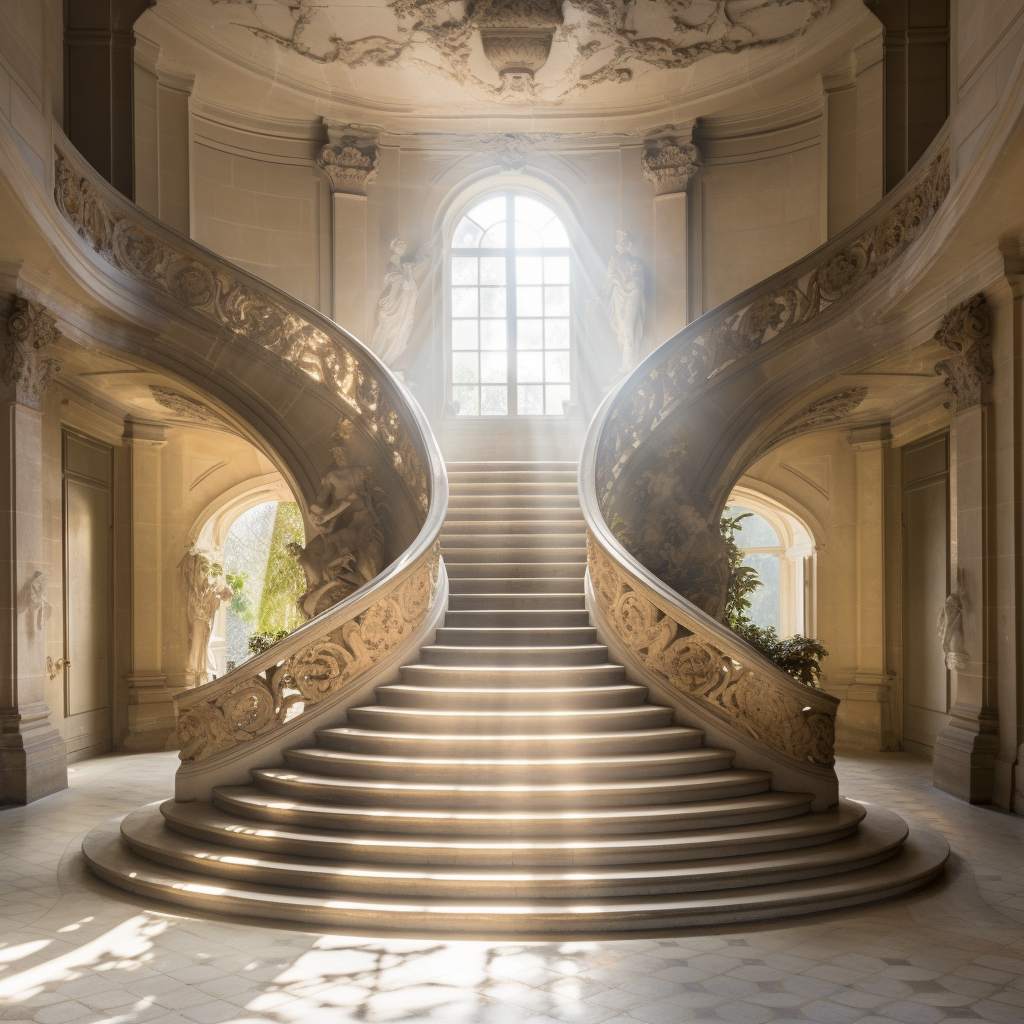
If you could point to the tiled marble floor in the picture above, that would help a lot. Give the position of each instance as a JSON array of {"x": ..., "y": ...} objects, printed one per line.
[{"x": 72, "y": 949}]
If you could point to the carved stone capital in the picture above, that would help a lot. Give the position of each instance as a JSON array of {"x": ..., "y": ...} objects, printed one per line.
[
  {"x": 350, "y": 164},
  {"x": 670, "y": 163},
  {"x": 965, "y": 332},
  {"x": 29, "y": 330}
]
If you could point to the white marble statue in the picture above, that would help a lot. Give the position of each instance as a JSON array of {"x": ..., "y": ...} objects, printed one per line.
[
  {"x": 950, "y": 625},
  {"x": 397, "y": 303},
  {"x": 623, "y": 294},
  {"x": 205, "y": 591}
]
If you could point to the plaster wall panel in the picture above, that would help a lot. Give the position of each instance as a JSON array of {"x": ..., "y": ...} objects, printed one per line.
[
  {"x": 147, "y": 170},
  {"x": 173, "y": 145}
]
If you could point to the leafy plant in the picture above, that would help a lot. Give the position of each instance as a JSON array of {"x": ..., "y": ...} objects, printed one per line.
[
  {"x": 239, "y": 604},
  {"x": 260, "y": 642},
  {"x": 284, "y": 580}
]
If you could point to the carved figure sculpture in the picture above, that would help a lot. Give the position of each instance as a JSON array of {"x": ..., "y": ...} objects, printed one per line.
[
  {"x": 950, "y": 625},
  {"x": 205, "y": 591},
  {"x": 397, "y": 303},
  {"x": 38, "y": 595},
  {"x": 624, "y": 298},
  {"x": 348, "y": 552}
]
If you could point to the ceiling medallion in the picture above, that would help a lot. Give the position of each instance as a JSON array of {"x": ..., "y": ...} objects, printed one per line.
[{"x": 530, "y": 50}]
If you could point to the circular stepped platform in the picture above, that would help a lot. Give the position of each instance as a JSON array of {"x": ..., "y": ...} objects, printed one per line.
[{"x": 513, "y": 782}]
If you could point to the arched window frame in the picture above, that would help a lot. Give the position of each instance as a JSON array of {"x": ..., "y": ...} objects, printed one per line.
[
  {"x": 454, "y": 219},
  {"x": 797, "y": 556}
]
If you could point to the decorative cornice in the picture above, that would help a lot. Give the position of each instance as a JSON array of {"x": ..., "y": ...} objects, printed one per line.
[
  {"x": 968, "y": 370},
  {"x": 29, "y": 330},
  {"x": 670, "y": 163},
  {"x": 349, "y": 164},
  {"x": 822, "y": 412},
  {"x": 510, "y": 150}
]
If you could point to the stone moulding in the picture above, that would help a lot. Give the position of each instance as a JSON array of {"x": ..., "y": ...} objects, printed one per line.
[
  {"x": 964, "y": 331},
  {"x": 790, "y": 719},
  {"x": 293, "y": 676},
  {"x": 207, "y": 288},
  {"x": 682, "y": 365}
]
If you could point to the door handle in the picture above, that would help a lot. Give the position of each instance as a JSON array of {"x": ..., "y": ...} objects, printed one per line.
[{"x": 53, "y": 667}]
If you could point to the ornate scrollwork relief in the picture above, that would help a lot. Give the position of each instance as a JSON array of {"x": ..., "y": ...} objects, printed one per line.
[
  {"x": 773, "y": 711},
  {"x": 182, "y": 406},
  {"x": 228, "y": 302},
  {"x": 968, "y": 370},
  {"x": 669, "y": 163},
  {"x": 350, "y": 164},
  {"x": 30, "y": 329},
  {"x": 216, "y": 718},
  {"x": 689, "y": 361},
  {"x": 821, "y": 412}
]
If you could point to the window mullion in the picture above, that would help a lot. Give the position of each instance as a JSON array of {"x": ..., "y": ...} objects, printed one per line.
[{"x": 511, "y": 309}]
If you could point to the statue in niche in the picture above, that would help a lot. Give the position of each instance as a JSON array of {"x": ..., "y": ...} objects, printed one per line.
[
  {"x": 348, "y": 551},
  {"x": 623, "y": 295},
  {"x": 950, "y": 625},
  {"x": 206, "y": 590},
  {"x": 397, "y": 303}
]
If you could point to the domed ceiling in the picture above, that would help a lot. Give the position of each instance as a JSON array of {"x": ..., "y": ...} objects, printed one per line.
[{"x": 491, "y": 55}]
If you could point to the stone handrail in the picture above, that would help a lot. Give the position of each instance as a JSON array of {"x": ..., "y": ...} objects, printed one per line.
[
  {"x": 331, "y": 652},
  {"x": 648, "y": 498}
]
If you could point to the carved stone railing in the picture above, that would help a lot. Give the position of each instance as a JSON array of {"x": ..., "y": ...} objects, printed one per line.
[
  {"x": 337, "y": 395},
  {"x": 653, "y": 477}
]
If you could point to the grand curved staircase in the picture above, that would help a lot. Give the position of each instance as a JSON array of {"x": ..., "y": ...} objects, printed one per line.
[{"x": 513, "y": 780}]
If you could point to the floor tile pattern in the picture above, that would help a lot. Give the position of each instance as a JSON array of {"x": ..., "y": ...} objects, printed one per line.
[{"x": 74, "y": 950}]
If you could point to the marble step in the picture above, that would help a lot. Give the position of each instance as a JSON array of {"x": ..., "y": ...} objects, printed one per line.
[
  {"x": 539, "y": 487},
  {"x": 256, "y": 804},
  {"x": 533, "y": 571},
  {"x": 536, "y": 677},
  {"x": 516, "y": 636},
  {"x": 519, "y": 476},
  {"x": 513, "y": 555},
  {"x": 519, "y": 657},
  {"x": 455, "y": 697},
  {"x": 471, "y": 602},
  {"x": 504, "y": 498},
  {"x": 491, "y": 513},
  {"x": 453, "y": 770},
  {"x": 515, "y": 618},
  {"x": 560, "y": 585},
  {"x": 638, "y": 742},
  {"x": 498, "y": 466},
  {"x": 202, "y": 820},
  {"x": 145, "y": 833},
  {"x": 512, "y": 528}
]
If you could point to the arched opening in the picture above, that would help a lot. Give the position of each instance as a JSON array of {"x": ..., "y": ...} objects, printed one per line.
[
  {"x": 510, "y": 322},
  {"x": 780, "y": 547}
]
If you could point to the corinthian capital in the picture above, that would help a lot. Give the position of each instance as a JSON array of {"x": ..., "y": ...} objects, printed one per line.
[
  {"x": 29, "y": 330},
  {"x": 965, "y": 332},
  {"x": 670, "y": 163},
  {"x": 350, "y": 164}
]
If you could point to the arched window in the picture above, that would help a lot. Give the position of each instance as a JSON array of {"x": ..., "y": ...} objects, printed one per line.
[
  {"x": 779, "y": 546},
  {"x": 510, "y": 322}
]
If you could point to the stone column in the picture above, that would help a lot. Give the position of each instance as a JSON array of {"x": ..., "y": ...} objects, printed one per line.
[
  {"x": 670, "y": 162},
  {"x": 964, "y": 760},
  {"x": 865, "y": 720},
  {"x": 33, "y": 758},
  {"x": 349, "y": 163},
  {"x": 150, "y": 703}
]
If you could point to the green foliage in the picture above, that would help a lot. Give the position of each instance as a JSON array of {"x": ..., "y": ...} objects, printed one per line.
[
  {"x": 260, "y": 642},
  {"x": 284, "y": 581},
  {"x": 798, "y": 656},
  {"x": 239, "y": 603}
]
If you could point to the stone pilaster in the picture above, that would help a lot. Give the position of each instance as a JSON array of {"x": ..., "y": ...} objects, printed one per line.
[
  {"x": 964, "y": 759},
  {"x": 33, "y": 758},
  {"x": 669, "y": 162}
]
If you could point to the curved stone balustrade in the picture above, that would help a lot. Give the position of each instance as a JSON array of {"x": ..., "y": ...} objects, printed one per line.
[
  {"x": 345, "y": 647},
  {"x": 653, "y": 477}
]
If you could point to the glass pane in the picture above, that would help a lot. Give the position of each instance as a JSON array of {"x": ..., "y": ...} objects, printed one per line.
[
  {"x": 556, "y": 333},
  {"x": 527, "y": 236},
  {"x": 556, "y": 301},
  {"x": 464, "y": 334},
  {"x": 556, "y": 367},
  {"x": 528, "y": 269},
  {"x": 464, "y": 270},
  {"x": 554, "y": 236},
  {"x": 492, "y": 334},
  {"x": 465, "y": 399},
  {"x": 528, "y": 302},
  {"x": 492, "y": 269},
  {"x": 530, "y": 334},
  {"x": 467, "y": 235},
  {"x": 556, "y": 269},
  {"x": 494, "y": 401},
  {"x": 492, "y": 301},
  {"x": 766, "y": 601},
  {"x": 464, "y": 368},
  {"x": 494, "y": 368},
  {"x": 489, "y": 211},
  {"x": 531, "y": 399},
  {"x": 533, "y": 212},
  {"x": 554, "y": 396},
  {"x": 464, "y": 302},
  {"x": 755, "y": 532},
  {"x": 530, "y": 367},
  {"x": 494, "y": 238}
]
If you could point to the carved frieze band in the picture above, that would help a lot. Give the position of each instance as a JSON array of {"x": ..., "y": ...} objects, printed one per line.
[
  {"x": 207, "y": 288},
  {"x": 218, "y": 716},
  {"x": 30, "y": 330},
  {"x": 690, "y": 360},
  {"x": 965, "y": 331},
  {"x": 789, "y": 719}
]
